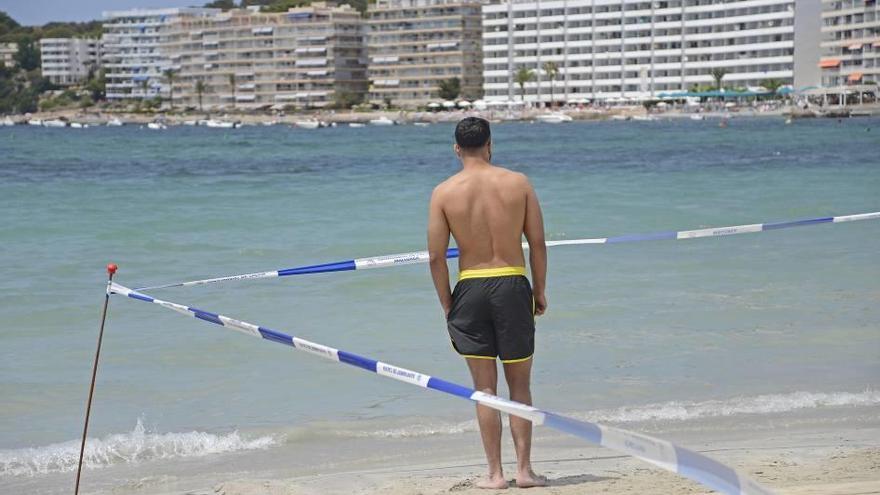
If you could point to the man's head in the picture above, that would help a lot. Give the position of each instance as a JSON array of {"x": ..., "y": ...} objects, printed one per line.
[{"x": 473, "y": 138}]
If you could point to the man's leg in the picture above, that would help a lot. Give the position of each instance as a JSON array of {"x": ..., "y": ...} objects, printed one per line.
[
  {"x": 518, "y": 376},
  {"x": 485, "y": 375}
]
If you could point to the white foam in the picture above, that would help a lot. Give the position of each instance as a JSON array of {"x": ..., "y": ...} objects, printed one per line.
[
  {"x": 135, "y": 446},
  {"x": 674, "y": 411}
]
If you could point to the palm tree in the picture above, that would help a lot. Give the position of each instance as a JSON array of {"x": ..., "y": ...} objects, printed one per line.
[
  {"x": 200, "y": 90},
  {"x": 170, "y": 73},
  {"x": 521, "y": 77},
  {"x": 718, "y": 74},
  {"x": 145, "y": 85},
  {"x": 552, "y": 71},
  {"x": 232, "y": 83}
]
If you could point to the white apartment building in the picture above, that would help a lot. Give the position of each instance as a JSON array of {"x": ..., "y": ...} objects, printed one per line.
[
  {"x": 67, "y": 61},
  {"x": 132, "y": 43},
  {"x": 609, "y": 49},
  {"x": 416, "y": 44},
  {"x": 308, "y": 57},
  {"x": 7, "y": 53},
  {"x": 850, "y": 42}
]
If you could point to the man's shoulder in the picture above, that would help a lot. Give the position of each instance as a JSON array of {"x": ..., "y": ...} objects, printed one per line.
[{"x": 513, "y": 176}]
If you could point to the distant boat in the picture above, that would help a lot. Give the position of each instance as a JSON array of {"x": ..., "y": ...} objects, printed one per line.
[
  {"x": 220, "y": 124},
  {"x": 54, "y": 123},
  {"x": 421, "y": 124},
  {"x": 356, "y": 124},
  {"x": 7, "y": 122},
  {"x": 157, "y": 126},
  {"x": 697, "y": 117},
  {"x": 644, "y": 118},
  {"x": 308, "y": 124},
  {"x": 78, "y": 125},
  {"x": 114, "y": 122},
  {"x": 382, "y": 121},
  {"x": 619, "y": 117},
  {"x": 553, "y": 118},
  {"x": 271, "y": 122},
  {"x": 190, "y": 122},
  {"x": 36, "y": 122}
]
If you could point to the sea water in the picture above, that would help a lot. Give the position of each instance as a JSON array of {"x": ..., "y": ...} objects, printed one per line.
[{"x": 646, "y": 333}]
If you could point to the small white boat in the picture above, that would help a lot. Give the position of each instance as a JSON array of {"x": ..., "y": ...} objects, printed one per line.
[
  {"x": 644, "y": 118},
  {"x": 356, "y": 124},
  {"x": 36, "y": 122},
  {"x": 270, "y": 123},
  {"x": 114, "y": 122},
  {"x": 190, "y": 122},
  {"x": 421, "y": 124},
  {"x": 382, "y": 121},
  {"x": 220, "y": 124},
  {"x": 54, "y": 123},
  {"x": 78, "y": 125},
  {"x": 619, "y": 117},
  {"x": 307, "y": 124},
  {"x": 697, "y": 117},
  {"x": 7, "y": 122},
  {"x": 157, "y": 126},
  {"x": 553, "y": 118}
]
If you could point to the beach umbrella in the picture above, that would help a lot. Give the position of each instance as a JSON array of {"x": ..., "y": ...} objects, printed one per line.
[
  {"x": 433, "y": 105},
  {"x": 480, "y": 105},
  {"x": 730, "y": 104},
  {"x": 662, "y": 104},
  {"x": 448, "y": 104},
  {"x": 464, "y": 104},
  {"x": 496, "y": 103}
]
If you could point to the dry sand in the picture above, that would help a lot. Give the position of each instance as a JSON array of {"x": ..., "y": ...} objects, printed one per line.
[{"x": 805, "y": 463}]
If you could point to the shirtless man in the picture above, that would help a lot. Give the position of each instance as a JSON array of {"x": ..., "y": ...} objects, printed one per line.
[{"x": 491, "y": 311}]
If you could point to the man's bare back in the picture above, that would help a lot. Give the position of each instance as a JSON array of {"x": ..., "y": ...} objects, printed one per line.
[
  {"x": 486, "y": 212},
  {"x": 490, "y": 315}
]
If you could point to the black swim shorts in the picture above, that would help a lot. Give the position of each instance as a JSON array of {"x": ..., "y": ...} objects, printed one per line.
[{"x": 493, "y": 315}]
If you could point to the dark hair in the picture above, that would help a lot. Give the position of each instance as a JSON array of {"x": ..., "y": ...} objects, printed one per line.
[{"x": 472, "y": 132}]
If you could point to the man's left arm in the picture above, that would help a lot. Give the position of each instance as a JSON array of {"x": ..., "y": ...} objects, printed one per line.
[{"x": 438, "y": 244}]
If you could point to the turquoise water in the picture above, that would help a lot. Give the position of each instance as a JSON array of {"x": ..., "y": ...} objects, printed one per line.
[{"x": 710, "y": 322}]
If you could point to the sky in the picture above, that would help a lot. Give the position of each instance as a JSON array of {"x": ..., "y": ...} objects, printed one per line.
[{"x": 37, "y": 12}]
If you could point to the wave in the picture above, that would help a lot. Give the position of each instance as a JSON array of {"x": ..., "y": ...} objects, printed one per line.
[
  {"x": 673, "y": 411},
  {"x": 135, "y": 446}
]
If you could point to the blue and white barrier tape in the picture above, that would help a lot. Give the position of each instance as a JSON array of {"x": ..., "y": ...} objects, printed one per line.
[
  {"x": 661, "y": 453},
  {"x": 422, "y": 256}
]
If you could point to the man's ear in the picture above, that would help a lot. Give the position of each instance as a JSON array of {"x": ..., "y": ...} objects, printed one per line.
[{"x": 457, "y": 149}]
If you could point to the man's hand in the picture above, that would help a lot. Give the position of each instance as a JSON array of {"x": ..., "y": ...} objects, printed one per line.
[{"x": 540, "y": 304}]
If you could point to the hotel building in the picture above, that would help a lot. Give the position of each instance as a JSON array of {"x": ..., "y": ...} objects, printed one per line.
[
  {"x": 134, "y": 59},
  {"x": 7, "y": 53},
  {"x": 67, "y": 61},
  {"x": 850, "y": 42},
  {"x": 610, "y": 49},
  {"x": 415, "y": 44},
  {"x": 308, "y": 57}
]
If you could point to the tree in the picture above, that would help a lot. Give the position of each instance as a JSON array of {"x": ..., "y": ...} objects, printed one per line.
[
  {"x": 521, "y": 77},
  {"x": 221, "y": 4},
  {"x": 718, "y": 74},
  {"x": 28, "y": 55},
  {"x": 232, "y": 83},
  {"x": 772, "y": 84},
  {"x": 552, "y": 71},
  {"x": 169, "y": 74},
  {"x": 449, "y": 89},
  {"x": 145, "y": 85},
  {"x": 96, "y": 84},
  {"x": 200, "y": 90}
]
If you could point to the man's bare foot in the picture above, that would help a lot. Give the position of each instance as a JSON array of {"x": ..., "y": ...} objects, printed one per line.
[
  {"x": 496, "y": 482},
  {"x": 529, "y": 479}
]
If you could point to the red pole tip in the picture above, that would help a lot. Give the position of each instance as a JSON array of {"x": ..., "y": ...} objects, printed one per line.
[{"x": 111, "y": 268}]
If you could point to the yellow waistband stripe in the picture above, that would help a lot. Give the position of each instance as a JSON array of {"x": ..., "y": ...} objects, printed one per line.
[{"x": 504, "y": 271}]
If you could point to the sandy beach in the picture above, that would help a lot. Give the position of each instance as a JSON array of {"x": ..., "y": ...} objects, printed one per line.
[{"x": 795, "y": 460}]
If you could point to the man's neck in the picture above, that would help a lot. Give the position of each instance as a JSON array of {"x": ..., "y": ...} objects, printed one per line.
[{"x": 474, "y": 162}]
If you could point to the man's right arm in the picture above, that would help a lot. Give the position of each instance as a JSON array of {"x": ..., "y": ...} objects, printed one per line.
[
  {"x": 438, "y": 244},
  {"x": 534, "y": 231}
]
